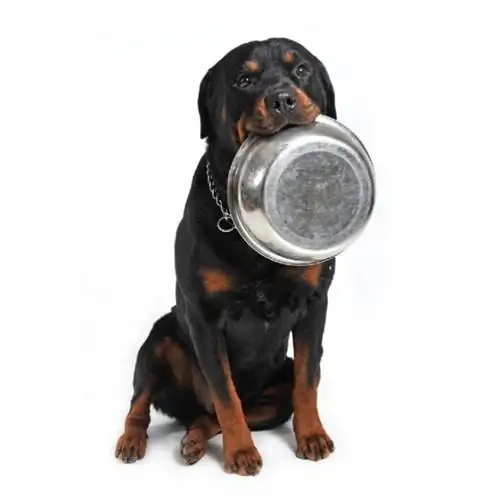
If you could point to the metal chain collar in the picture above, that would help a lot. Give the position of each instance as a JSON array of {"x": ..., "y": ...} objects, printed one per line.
[{"x": 225, "y": 223}]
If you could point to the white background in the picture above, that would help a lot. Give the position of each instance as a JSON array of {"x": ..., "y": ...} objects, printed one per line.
[{"x": 98, "y": 142}]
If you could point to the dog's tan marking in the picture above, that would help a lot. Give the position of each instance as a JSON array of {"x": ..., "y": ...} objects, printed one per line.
[
  {"x": 241, "y": 132},
  {"x": 215, "y": 280},
  {"x": 261, "y": 109},
  {"x": 179, "y": 363},
  {"x": 240, "y": 455},
  {"x": 131, "y": 445},
  {"x": 312, "y": 274},
  {"x": 309, "y": 110},
  {"x": 252, "y": 66},
  {"x": 313, "y": 442},
  {"x": 288, "y": 57}
]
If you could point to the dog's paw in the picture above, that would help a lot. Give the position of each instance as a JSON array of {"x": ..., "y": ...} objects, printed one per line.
[
  {"x": 245, "y": 462},
  {"x": 193, "y": 448},
  {"x": 131, "y": 446},
  {"x": 315, "y": 446}
]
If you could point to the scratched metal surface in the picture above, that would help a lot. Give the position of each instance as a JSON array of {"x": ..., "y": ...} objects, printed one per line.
[{"x": 318, "y": 197}]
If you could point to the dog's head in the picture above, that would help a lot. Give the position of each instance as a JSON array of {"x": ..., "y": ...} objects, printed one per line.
[{"x": 262, "y": 87}]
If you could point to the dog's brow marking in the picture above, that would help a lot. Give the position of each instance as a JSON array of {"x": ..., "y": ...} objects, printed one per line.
[
  {"x": 252, "y": 65},
  {"x": 215, "y": 280},
  {"x": 288, "y": 57}
]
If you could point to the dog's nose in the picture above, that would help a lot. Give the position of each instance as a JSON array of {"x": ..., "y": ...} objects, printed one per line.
[{"x": 282, "y": 101}]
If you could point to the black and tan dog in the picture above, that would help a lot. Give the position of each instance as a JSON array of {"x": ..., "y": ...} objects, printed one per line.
[{"x": 218, "y": 361}]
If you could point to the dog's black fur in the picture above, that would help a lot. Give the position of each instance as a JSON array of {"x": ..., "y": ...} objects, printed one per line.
[{"x": 218, "y": 361}]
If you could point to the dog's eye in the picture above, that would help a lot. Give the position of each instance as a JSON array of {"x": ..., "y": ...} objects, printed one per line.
[
  {"x": 301, "y": 70},
  {"x": 243, "y": 81}
]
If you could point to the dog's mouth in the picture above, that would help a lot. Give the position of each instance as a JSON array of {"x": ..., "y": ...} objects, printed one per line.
[
  {"x": 267, "y": 131},
  {"x": 246, "y": 127},
  {"x": 270, "y": 124}
]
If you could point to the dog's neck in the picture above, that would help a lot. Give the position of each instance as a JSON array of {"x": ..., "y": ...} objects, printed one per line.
[
  {"x": 234, "y": 250},
  {"x": 219, "y": 160}
]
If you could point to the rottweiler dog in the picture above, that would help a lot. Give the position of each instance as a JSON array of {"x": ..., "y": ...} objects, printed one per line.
[{"x": 218, "y": 361}]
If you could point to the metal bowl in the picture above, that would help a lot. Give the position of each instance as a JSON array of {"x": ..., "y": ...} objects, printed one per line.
[{"x": 304, "y": 195}]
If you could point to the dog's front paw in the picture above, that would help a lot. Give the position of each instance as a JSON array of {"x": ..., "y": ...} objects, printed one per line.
[
  {"x": 245, "y": 462},
  {"x": 314, "y": 446},
  {"x": 131, "y": 446}
]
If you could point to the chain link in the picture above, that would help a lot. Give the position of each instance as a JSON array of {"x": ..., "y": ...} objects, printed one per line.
[{"x": 225, "y": 223}]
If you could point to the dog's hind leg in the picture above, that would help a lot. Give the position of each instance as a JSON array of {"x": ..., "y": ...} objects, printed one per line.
[
  {"x": 195, "y": 441},
  {"x": 274, "y": 405},
  {"x": 131, "y": 445}
]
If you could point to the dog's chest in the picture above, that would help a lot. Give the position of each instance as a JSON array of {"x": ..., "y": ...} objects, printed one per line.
[{"x": 258, "y": 320}]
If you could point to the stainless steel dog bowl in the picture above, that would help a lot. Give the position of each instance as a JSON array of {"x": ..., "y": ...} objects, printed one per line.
[{"x": 304, "y": 195}]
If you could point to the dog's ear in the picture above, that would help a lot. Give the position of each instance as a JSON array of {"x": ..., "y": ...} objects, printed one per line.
[
  {"x": 205, "y": 97},
  {"x": 328, "y": 91}
]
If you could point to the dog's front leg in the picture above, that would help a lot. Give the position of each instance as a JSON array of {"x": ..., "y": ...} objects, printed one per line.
[
  {"x": 313, "y": 442},
  {"x": 240, "y": 454}
]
